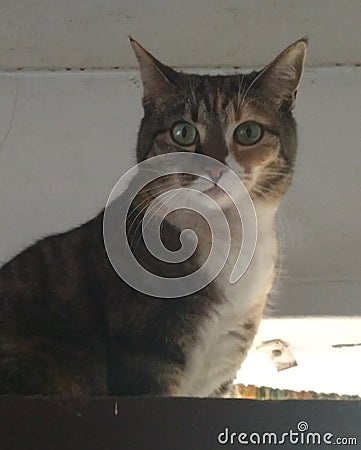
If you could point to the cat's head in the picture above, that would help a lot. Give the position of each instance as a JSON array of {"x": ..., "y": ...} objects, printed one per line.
[{"x": 244, "y": 120}]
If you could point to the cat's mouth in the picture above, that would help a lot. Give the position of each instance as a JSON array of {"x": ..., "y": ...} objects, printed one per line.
[
  {"x": 217, "y": 194},
  {"x": 214, "y": 190}
]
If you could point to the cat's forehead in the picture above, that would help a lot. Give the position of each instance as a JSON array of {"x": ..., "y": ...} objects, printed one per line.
[{"x": 228, "y": 98}]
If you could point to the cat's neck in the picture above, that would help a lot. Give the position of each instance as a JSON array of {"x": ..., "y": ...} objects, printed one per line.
[{"x": 265, "y": 214}]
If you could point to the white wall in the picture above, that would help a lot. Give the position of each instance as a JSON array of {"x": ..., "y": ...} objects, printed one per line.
[
  {"x": 65, "y": 138},
  {"x": 321, "y": 367}
]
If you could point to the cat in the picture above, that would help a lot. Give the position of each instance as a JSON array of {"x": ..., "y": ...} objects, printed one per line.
[{"x": 69, "y": 325}]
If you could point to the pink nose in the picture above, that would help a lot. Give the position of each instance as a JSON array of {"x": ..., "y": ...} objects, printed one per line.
[{"x": 214, "y": 172}]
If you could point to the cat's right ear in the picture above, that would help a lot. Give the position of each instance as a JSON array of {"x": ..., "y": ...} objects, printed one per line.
[
  {"x": 158, "y": 79},
  {"x": 282, "y": 77}
]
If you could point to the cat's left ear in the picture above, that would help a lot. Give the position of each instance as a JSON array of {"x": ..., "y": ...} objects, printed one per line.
[
  {"x": 158, "y": 79},
  {"x": 281, "y": 78}
]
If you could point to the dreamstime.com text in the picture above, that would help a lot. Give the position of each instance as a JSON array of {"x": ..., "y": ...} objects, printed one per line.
[{"x": 301, "y": 436}]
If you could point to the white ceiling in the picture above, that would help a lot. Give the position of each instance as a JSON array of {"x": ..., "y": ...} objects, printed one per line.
[{"x": 45, "y": 34}]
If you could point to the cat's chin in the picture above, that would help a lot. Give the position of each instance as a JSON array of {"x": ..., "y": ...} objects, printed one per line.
[
  {"x": 217, "y": 194},
  {"x": 220, "y": 200}
]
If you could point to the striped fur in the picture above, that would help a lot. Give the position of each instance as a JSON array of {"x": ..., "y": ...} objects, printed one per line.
[{"x": 70, "y": 326}]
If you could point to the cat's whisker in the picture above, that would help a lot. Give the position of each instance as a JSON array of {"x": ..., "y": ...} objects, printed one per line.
[
  {"x": 249, "y": 102},
  {"x": 157, "y": 206},
  {"x": 141, "y": 210},
  {"x": 192, "y": 89},
  {"x": 252, "y": 84},
  {"x": 134, "y": 222},
  {"x": 295, "y": 228},
  {"x": 264, "y": 191},
  {"x": 239, "y": 96},
  {"x": 155, "y": 192},
  {"x": 266, "y": 172},
  {"x": 117, "y": 231}
]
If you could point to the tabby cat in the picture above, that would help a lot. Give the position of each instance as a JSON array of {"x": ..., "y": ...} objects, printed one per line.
[{"x": 69, "y": 325}]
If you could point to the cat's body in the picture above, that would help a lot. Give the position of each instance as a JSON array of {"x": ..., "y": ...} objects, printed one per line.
[
  {"x": 225, "y": 336},
  {"x": 70, "y": 325}
]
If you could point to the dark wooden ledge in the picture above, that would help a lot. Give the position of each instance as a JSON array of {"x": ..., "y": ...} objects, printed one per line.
[{"x": 162, "y": 423}]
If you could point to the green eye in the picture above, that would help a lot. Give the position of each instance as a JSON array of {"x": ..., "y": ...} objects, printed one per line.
[
  {"x": 248, "y": 133},
  {"x": 183, "y": 133}
]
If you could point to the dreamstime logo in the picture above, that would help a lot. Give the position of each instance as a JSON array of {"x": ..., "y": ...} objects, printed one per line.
[
  {"x": 173, "y": 198},
  {"x": 302, "y": 426}
]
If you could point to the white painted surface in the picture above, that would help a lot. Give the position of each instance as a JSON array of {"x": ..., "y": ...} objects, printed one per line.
[
  {"x": 70, "y": 136},
  {"x": 93, "y": 34},
  {"x": 321, "y": 368}
]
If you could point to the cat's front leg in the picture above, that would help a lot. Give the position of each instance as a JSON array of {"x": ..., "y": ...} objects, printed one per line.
[
  {"x": 225, "y": 390},
  {"x": 144, "y": 375},
  {"x": 39, "y": 366}
]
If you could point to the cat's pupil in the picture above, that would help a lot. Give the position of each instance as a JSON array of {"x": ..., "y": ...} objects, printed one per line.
[
  {"x": 184, "y": 133},
  {"x": 252, "y": 132},
  {"x": 248, "y": 133}
]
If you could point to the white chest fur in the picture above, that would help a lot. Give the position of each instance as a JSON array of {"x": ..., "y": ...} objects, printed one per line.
[{"x": 226, "y": 335}]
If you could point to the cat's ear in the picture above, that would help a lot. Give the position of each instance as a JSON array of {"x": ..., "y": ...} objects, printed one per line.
[
  {"x": 281, "y": 78},
  {"x": 157, "y": 78}
]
